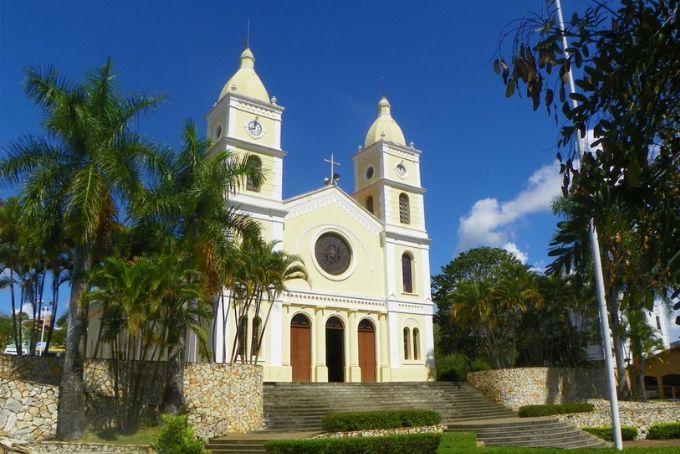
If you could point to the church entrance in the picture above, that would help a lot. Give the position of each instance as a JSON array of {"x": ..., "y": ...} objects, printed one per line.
[
  {"x": 367, "y": 351},
  {"x": 301, "y": 348},
  {"x": 335, "y": 350}
]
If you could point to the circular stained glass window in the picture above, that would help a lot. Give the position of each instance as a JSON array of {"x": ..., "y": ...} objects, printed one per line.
[{"x": 333, "y": 253}]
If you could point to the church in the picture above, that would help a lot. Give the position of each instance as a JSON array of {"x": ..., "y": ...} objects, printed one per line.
[{"x": 365, "y": 314}]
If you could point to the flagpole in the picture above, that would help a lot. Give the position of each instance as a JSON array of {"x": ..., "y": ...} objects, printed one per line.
[{"x": 597, "y": 264}]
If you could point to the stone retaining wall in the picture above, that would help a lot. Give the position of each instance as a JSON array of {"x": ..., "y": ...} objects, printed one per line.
[
  {"x": 39, "y": 369},
  {"x": 639, "y": 414},
  {"x": 219, "y": 398},
  {"x": 514, "y": 388},
  {"x": 383, "y": 432},
  {"x": 56, "y": 447},
  {"x": 28, "y": 410}
]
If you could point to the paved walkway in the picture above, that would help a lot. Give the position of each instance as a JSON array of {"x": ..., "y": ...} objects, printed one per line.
[{"x": 651, "y": 443}]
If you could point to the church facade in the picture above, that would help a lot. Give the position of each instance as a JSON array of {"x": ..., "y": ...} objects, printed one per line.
[{"x": 365, "y": 315}]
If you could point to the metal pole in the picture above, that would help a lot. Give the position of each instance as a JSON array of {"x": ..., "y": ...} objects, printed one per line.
[{"x": 599, "y": 281}]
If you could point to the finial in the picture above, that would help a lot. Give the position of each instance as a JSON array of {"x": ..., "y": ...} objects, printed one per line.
[
  {"x": 411, "y": 144},
  {"x": 382, "y": 87},
  {"x": 248, "y": 34},
  {"x": 273, "y": 100}
]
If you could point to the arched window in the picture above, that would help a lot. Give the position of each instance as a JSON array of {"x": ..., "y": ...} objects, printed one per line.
[
  {"x": 242, "y": 338},
  {"x": 255, "y": 164},
  {"x": 404, "y": 212},
  {"x": 416, "y": 343},
  {"x": 407, "y": 272},
  {"x": 369, "y": 203},
  {"x": 407, "y": 343},
  {"x": 255, "y": 338}
]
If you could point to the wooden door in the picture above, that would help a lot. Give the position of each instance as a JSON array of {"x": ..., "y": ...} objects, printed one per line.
[
  {"x": 367, "y": 351},
  {"x": 300, "y": 348}
]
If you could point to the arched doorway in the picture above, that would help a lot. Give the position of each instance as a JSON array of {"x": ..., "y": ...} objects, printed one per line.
[
  {"x": 301, "y": 348},
  {"x": 367, "y": 351},
  {"x": 335, "y": 350}
]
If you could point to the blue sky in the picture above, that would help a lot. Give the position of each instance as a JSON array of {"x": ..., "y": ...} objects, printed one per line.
[{"x": 487, "y": 161}]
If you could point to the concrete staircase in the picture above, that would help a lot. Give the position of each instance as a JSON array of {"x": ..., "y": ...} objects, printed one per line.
[
  {"x": 529, "y": 432},
  {"x": 294, "y": 410},
  {"x": 300, "y": 407}
]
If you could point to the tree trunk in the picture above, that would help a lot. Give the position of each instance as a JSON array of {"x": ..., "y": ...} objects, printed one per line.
[
  {"x": 71, "y": 411},
  {"x": 16, "y": 324},
  {"x": 173, "y": 397},
  {"x": 623, "y": 390}
]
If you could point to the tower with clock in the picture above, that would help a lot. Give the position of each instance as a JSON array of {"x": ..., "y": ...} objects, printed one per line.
[{"x": 365, "y": 315}]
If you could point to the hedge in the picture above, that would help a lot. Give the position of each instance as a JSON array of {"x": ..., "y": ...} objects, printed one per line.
[
  {"x": 394, "y": 444},
  {"x": 664, "y": 431},
  {"x": 369, "y": 420},
  {"x": 607, "y": 433},
  {"x": 547, "y": 410}
]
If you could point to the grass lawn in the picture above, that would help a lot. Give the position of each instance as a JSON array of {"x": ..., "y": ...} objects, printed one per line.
[
  {"x": 144, "y": 436},
  {"x": 461, "y": 443}
]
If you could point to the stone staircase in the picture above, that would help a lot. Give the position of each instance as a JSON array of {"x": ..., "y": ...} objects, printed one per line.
[
  {"x": 529, "y": 432},
  {"x": 294, "y": 410},
  {"x": 300, "y": 407}
]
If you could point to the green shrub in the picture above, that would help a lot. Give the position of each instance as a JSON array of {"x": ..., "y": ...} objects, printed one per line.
[
  {"x": 452, "y": 367},
  {"x": 390, "y": 419},
  {"x": 396, "y": 444},
  {"x": 547, "y": 410},
  {"x": 480, "y": 364},
  {"x": 664, "y": 431},
  {"x": 177, "y": 437},
  {"x": 607, "y": 432}
]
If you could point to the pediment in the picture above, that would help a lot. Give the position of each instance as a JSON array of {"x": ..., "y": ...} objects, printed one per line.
[{"x": 331, "y": 196}]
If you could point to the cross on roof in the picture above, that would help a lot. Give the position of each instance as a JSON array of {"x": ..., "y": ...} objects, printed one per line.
[{"x": 334, "y": 177}]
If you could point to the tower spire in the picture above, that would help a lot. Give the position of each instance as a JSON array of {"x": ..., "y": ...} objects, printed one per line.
[{"x": 248, "y": 33}]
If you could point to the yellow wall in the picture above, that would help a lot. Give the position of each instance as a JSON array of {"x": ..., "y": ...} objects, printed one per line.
[
  {"x": 415, "y": 207},
  {"x": 241, "y": 120},
  {"x": 367, "y": 276},
  {"x": 412, "y": 172},
  {"x": 268, "y": 187}
]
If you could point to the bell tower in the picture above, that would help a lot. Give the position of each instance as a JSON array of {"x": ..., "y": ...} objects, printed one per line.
[
  {"x": 387, "y": 175},
  {"x": 246, "y": 121}
]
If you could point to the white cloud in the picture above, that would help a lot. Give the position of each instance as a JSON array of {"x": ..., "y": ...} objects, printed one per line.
[
  {"x": 514, "y": 250},
  {"x": 491, "y": 223}
]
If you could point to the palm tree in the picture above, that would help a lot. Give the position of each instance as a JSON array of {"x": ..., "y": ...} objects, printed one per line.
[
  {"x": 279, "y": 268},
  {"x": 9, "y": 257},
  {"x": 143, "y": 302},
  {"x": 191, "y": 200},
  {"x": 84, "y": 170}
]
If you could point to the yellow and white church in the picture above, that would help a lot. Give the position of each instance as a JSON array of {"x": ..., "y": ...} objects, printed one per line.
[{"x": 366, "y": 313}]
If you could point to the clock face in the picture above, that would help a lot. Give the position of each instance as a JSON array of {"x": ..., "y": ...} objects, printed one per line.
[
  {"x": 254, "y": 128},
  {"x": 401, "y": 171},
  {"x": 333, "y": 253}
]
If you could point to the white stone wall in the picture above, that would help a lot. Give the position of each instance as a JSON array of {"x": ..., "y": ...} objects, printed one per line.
[
  {"x": 219, "y": 398},
  {"x": 28, "y": 410},
  {"x": 222, "y": 398},
  {"x": 383, "y": 432},
  {"x": 638, "y": 414},
  {"x": 514, "y": 388},
  {"x": 56, "y": 447}
]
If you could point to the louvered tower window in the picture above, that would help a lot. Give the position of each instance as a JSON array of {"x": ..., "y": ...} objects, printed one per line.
[{"x": 404, "y": 212}]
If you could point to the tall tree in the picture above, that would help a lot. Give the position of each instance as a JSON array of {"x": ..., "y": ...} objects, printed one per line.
[
  {"x": 262, "y": 276},
  {"x": 84, "y": 169},
  {"x": 483, "y": 265},
  {"x": 191, "y": 201},
  {"x": 625, "y": 63}
]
